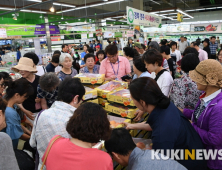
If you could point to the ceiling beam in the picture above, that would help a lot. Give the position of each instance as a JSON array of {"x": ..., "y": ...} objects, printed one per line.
[{"x": 26, "y": 7}]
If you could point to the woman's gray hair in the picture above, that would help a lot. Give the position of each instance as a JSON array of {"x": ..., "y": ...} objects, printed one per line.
[
  {"x": 49, "y": 81},
  {"x": 63, "y": 57}
]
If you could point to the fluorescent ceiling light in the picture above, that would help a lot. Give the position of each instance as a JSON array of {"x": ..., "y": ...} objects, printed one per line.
[
  {"x": 88, "y": 6},
  {"x": 184, "y": 13},
  {"x": 167, "y": 11},
  {"x": 155, "y": 2},
  {"x": 200, "y": 9},
  {"x": 190, "y": 10},
  {"x": 219, "y": 7},
  {"x": 24, "y": 10},
  {"x": 73, "y": 6},
  {"x": 35, "y": 0},
  {"x": 210, "y": 8},
  {"x": 42, "y": 12}
]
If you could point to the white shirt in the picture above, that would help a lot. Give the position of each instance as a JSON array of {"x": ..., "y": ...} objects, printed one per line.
[
  {"x": 51, "y": 122},
  {"x": 182, "y": 46},
  {"x": 177, "y": 53},
  {"x": 164, "y": 82},
  {"x": 58, "y": 69},
  {"x": 209, "y": 98}
]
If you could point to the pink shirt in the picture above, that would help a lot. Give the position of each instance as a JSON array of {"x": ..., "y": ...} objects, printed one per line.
[
  {"x": 202, "y": 55},
  {"x": 124, "y": 68},
  {"x": 64, "y": 155}
]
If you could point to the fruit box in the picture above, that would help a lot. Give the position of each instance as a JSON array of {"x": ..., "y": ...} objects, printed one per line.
[
  {"x": 94, "y": 101},
  {"x": 102, "y": 101},
  {"x": 90, "y": 78},
  {"x": 90, "y": 93},
  {"x": 116, "y": 122},
  {"x": 122, "y": 97},
  {"x": 112, "y": 86},
  {"x": 143, "y": 143},
  {"x": 121, "y": 110}
]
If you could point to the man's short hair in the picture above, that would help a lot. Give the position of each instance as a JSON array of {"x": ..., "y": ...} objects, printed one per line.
[
  {"x": 165, "y": 48},
  {"x": 55, "y": 58},
  {"x": 213, "y": 37},
  {"x": 111, "y": 49},
  {"x": 120, "y": 142},
  {"x": 64, "y": 45}
]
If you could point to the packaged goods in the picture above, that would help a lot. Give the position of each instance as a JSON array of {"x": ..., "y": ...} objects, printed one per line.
[
  {"x": 112, "y": 86},
  {"x": 102, "y": 101},
  {"x": 123, "y": 111},
  {"x": 90, "y": 93},
  {"x": 122, "y": 97},
  {"x": 143, "y": 143},
  {"x": 117, "y": 122},
  {"x": 94, "y": 101},
  {"x": 89, "y": 78}
]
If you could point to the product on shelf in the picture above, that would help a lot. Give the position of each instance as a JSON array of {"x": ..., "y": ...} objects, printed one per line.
[
  {"x": 102, "y": 101},
  {"x": 90, "y": 93},
  {"x": 112, "y": 86},
  {"x": 90, "y": 78},
  {"x": 122, "y": 97},
  {"x": 123, "y": 111},
  {"x": 117, "y": 122}
]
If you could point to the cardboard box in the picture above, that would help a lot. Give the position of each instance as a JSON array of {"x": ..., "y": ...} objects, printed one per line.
[
  {"x": 112, "y": 86},
  {"x": 102, "y": 101},
  {"x": 122, "y": 97},
  {"x": 114, "y": 119},
  {"x": 90, "y": 93},
  {"x": 90, "y": 78},
  {"x": 121, "y": 110},
  {"x": 94, "y": 101}
]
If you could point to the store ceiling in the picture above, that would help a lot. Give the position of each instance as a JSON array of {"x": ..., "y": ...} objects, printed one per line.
[{"x": 148, "y": 5}]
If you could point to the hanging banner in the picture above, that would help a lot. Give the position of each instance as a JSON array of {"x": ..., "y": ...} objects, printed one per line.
[
  {"x": 99, "y": 32},
  {"x": 138, "y": 17},
  {"x": 80, "y": 26},
  {"x": 52, "y": 28},
  {"x": 108, "y": 34},
  {"x": 55, "y": 38},
  {"x": 83, "y": 36},
  {"x": 3, "y": 33},
  {"x": 130, "y": 33}
]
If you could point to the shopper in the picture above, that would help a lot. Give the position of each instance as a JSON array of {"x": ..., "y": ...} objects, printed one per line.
[
  {"x": 219, "y": 56},
  {"x": 18, "y": 54},
  {"x": 218, "y": 41},
  {"x": 140, "y": 68},
  {"x": 129, "y": 54},
  {"x": 206, "y": 117},
  {"x": 149, "y": 41},
  {"x": 124, "y": 151},
  {"x": 94, "y": 45},
  {"x": 155, "y": 45},
  {"x": 184, "y": 93},
  {"x": 16, "y": 93},
  {"x": 206, "y": 44},
  {"x": 174, "y": 53},
  {"x": 66, "y": 61},
  {"x": 85, "y": 47},
  {"x": 53, "y": 64},
  {"x": 213, "y": 47},
  {"x": 100, "y": 45},
  {"x": 165, "y": 52},
  {"x": 56, "y": 117},
  {"x": 153, "y": 61},
  {"x": 4, "y": 78},
  {"x": 188, "y": 43},
  {"x": 101, "y": 56},
  {"x": 170, "y": 129},
  {"x": 90, "y": 44},
  {"x": 65, "y": 48},
  {"x": 139, "y": 48},
  {"x": 27, "y": 68},
  {"x": 136, "y": 54},
  {"x": 130, "y": 43},
  {"x": 202, "y": 54},
  {"x": 48, "y": 89},
  {"x": 85, "y": 117},
  {"x": 119, "y": 46},
  {"x": 182, "y": 44},
  {"x": 90, "y": 67},
  {"x": 98, "y": 48},
  {"x": 114, "y": 67}
]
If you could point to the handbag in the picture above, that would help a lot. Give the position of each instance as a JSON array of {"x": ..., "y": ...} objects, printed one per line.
[{"x": 47, "y": 151}]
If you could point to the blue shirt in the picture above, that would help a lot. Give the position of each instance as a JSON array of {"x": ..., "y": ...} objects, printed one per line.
[
  {"x": 144, "y": 74},
  {"x": 82, "y": 56},
  {"x": 95, "y": 69},
  {"x": 18, "y": 55},
  {"x": 50, "y": 68},
  {"x": 213, "y": 48},
  {"x": 172, "y": 130},
  {"x": 13, "y": 129}
]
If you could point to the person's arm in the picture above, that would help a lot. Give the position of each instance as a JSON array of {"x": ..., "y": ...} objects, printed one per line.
[
  {"x": 27, "y": 112},
  {"x": 128, "y": 67},
  {"x": 187, "y": 112},
  {"x": 26, "y": 131},
  {"x": 213, "y": 136},
  {"x": 102, "y": 69},
  {"x": 44, "y": 104},
  {"x": 25, "y": 137},
  {"x": 138, "y": 115},
  {"x": 138, "y": 126}
]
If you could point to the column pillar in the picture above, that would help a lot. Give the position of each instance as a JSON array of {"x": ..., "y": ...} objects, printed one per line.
[{"x": 48, "y": 38}]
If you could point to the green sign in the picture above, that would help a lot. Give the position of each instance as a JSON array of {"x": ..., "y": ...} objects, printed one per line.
[
  {"x": 20, "y": 30},
  {"x": 130, "y": 16},
  {"x": 118, "y": 34}
]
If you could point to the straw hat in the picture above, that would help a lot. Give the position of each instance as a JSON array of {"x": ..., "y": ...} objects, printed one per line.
[
  {"x": 25, "y": 64},
  {"x": 208, "y": 72}
]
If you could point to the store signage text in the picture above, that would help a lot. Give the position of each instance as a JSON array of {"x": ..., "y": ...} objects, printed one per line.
[{"x": 138, "y": 17}]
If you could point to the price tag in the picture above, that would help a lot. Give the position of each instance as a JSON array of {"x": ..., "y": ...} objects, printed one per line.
[{"x": 88, "y": 96}]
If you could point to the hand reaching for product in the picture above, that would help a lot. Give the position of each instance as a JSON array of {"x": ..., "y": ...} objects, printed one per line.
[
  {"x": 30, "y": 115},
  {"x": 138, "y": 115},
  {"x": 128, "y": 125}
]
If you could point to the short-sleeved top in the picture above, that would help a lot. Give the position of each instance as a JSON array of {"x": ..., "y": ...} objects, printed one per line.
[
  {"x": 29, "y": 103},
  {"x": 122, "y": 67},
  {"x": 82, "y": 56},
  {"x": 202, "y": 55},
  {"x": 50, "y": 97},
  {"x": 86, "y": 70},
  {"x": 182, "y": 46},
  {"x": 213, "y": 48},
  {"x": 172, "y": 66},
  {"x": 50, "y": 68},
  {"x": 172, "y": 130},
  {"x": 164, "y": 82},
  {"x": 144, "y": 74},
  {"x": 13, "y": 128},
  {"x": 71, "y": 156},
  {"x": 63, "y": 75}
]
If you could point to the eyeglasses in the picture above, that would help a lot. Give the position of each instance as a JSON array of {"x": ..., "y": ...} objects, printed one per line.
[{"x": 2, "y": 85}]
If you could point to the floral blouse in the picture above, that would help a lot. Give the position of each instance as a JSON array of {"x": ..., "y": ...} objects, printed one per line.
[
  {"x": 184, "y": 93},
  {"x": 95, "y": 69}
]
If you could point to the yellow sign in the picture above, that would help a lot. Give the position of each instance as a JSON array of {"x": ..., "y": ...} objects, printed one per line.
[{"x": 179, "y": 17}]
